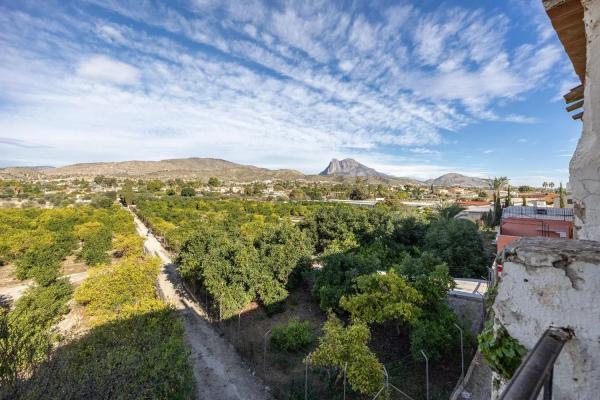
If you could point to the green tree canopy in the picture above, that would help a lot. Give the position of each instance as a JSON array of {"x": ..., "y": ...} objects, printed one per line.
[
  {"x": 458, "y": 243},
  {"x": 346, "y": 347},
  {"x": 383, "y": 297}
]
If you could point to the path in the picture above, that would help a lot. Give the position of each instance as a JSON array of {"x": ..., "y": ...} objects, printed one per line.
[
  {"x": 219, "y": 371},
  {"x": 13, "y": 292}
]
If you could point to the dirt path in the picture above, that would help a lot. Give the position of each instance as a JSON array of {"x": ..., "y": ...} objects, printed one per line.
[
  {"x": 13, "y": 292},
  {"x": 219, "y": 371}
]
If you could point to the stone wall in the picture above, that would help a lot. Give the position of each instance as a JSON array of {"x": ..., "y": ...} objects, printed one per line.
[
  {"x": 555, "y": 282},
  {"x": 585, "y": 164}
]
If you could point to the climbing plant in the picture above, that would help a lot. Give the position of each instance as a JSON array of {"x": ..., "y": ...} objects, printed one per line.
[{"x": 502, "y": 352}]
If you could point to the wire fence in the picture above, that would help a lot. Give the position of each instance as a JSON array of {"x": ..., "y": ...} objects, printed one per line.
[{"x": 289, "y": 376}]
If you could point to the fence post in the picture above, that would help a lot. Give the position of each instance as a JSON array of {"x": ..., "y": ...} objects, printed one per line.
[
  {"x": 462, "y": 355},
  {"x": 426, "y": 373},
  {"x": 265, "y": 351},
  {"x": 306, "y": 377},
  {"x": 345, "y": 368}
]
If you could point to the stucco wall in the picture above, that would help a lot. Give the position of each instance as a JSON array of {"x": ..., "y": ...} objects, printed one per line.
[
  {"x": 585, "y": 165},
  {"x": 553, "y": 282},
  {"x": 469, "y": 310}
]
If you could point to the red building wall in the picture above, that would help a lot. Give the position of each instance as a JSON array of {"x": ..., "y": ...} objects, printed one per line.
[{"x": 514, "y": 228}]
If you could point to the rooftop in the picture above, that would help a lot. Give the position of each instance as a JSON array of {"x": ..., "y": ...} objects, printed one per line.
[{"x": 563, "y": 214}]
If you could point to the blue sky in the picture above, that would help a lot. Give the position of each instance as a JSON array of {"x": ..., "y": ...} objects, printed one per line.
[{"x": 411, "y": 88}]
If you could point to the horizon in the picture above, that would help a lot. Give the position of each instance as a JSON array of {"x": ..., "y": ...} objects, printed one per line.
[{"x": 411, "y": 89}]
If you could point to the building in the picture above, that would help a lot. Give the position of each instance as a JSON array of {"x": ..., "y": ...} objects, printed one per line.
[
  {"x": 518, "y": 222},
  {"x": 547, "y": 296}
]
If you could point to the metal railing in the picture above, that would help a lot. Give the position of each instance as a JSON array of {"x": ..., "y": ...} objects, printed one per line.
[
  {"x": 537, "y": 370},
  {"x": 547, "y": 213}
]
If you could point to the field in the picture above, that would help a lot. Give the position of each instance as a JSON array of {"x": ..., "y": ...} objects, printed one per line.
[
  {"x": 265, "y": 267},
  {"x": 86, "y": 336}
]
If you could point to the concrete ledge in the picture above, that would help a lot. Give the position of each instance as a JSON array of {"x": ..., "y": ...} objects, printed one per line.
[{"x": 547, "y": 252}]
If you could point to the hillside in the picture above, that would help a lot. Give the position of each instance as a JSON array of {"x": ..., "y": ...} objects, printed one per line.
[
  {"x": 185, "y": 168},
  {"x": 345, "y": 170},
  {"x": 454, "y": 179}
]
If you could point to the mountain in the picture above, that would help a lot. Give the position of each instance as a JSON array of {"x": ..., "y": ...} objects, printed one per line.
[
  {"x": 454, "y": 179},
  {"x": 185, "y": 168},
  {"x": 350, "y": 167},
  {"x": 204, "y": 168}
]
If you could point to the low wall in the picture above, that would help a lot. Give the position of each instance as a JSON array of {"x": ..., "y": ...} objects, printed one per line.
[
  {"x": 469, "y": 309},
  {"x": 555, "y": 282}
]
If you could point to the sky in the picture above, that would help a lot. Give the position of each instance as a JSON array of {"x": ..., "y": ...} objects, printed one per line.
[{"x": 412, "y": 88}]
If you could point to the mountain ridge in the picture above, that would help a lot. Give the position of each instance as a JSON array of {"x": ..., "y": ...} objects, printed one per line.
[
  {"x": 204, "y": 168},
  {"x": 455, "y": 179}
]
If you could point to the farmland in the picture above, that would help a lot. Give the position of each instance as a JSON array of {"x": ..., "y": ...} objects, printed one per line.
[{"x": 320, "y": 276}]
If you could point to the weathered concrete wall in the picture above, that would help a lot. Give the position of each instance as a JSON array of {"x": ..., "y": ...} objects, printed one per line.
[
  {"x": 585, "y": 165},
  {"x": 469, "y": 310},
  {"x": 553, "y": 282}
]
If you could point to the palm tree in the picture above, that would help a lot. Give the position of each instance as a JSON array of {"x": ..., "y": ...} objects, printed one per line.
[
  {"x": 551, "y": 185},
  {"x": 545, "y": 184},
  {"x": 496, "y": 184}
]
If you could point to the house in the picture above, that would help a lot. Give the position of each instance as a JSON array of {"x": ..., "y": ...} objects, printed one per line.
[{"x": 518, "y": 222}]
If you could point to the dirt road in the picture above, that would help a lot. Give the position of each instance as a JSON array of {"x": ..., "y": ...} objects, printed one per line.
[{"x": 219, "y": 371}]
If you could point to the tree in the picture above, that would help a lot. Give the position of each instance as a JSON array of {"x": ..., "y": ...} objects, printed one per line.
[
  {"x": 525, "y": 189},
  {"x": 337, "y": 276},
  {"x": 545, "y": 184},
  {"x": 383, "y": 297},
  {"x": 346, "y": 348},
  {"x": 155, "y": 185},
  {"x": 561, "y": 193},
  {"x": 435, "y": 334},
  {"x": 458, "y": 243},
  {"x": 450, "y": 211},
  {"x": 496, "y": 184},
  {"x": 214, "y": 182},
  {"x": 359, "y": 192},
  {"x": 429, "y": 276},
  {"x": 524, "y": 204},
  {"x": 188, "y": 191},
  {"x": 508, "y": 200},
  {"x": 551, "y": 185}
]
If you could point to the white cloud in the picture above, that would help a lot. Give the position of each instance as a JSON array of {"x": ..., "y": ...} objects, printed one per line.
[
  {"x": 106, "y": 69},
  {"x": 488, "y": 151},
  {"x": 329, "y": 80}
]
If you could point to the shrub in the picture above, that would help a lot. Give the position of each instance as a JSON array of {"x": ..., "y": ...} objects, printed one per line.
[
  {"x": 292, "y": 337},
  {"x": 117, "y": 289},
  {"x": 143, "y": 356},
  {"x": 502, "y": 352}
]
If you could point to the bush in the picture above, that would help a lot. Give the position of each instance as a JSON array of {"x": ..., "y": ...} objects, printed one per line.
[
  {"x": 292, "y": 337},
  {"x": 122, "y": 288},
  {"x": 141, "y": 357},
  {"x": 26, "y": 338}
]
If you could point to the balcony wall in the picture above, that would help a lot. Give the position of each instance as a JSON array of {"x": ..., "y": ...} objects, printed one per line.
[
  {"x": 585, "y": 165},
  {"x": 553, "y": 282}
]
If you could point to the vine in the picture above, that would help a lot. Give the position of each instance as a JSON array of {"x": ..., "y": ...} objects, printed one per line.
[{"x": 501, "y": 351}]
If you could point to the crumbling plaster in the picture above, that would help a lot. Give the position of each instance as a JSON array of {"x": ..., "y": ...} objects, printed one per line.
[
  {"x": 585, "y": 164},
  {"x": 555, "y": 282}
]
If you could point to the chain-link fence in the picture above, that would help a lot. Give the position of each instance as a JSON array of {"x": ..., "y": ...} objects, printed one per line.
[{"x": 289, "y": 376}]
